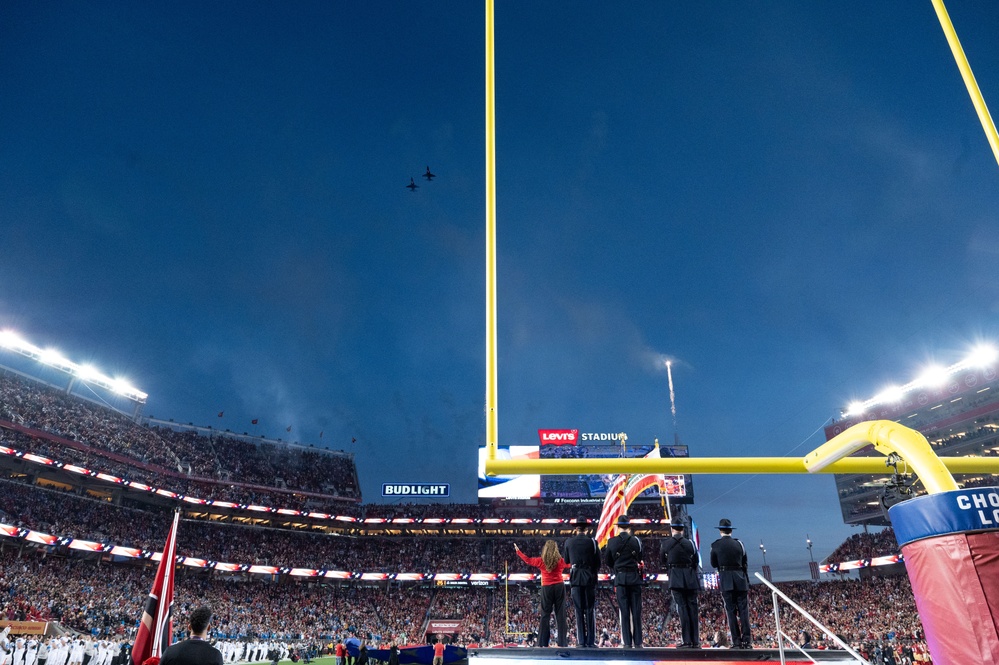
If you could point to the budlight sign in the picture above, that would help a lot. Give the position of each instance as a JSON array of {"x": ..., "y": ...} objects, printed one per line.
[{"x": 434, "y": 490}]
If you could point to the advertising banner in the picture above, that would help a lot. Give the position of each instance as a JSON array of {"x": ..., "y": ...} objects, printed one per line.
[
  {"x": 947, "y": 512},
  {"x": 25, "y": 627},
  {"x": 433, "y": 490}
]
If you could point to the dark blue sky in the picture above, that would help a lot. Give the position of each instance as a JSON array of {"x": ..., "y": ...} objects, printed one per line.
[{"x": 796, "y": 203}]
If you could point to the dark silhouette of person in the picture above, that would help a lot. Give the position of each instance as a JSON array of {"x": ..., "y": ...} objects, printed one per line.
[{"x": 195, "y": 650}]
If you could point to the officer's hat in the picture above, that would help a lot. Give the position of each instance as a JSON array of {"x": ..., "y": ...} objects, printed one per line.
[{"x": 725, "y": 524}]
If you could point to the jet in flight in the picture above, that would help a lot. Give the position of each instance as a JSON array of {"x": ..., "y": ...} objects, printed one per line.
[
  {"x": 428, "y": 175},
  {"x": 412, "y": 185}
]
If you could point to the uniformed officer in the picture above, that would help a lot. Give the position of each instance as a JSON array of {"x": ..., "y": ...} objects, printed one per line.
[
  {"x": 681, "y": 562},
  {"x": 623, "y": 554},
  {"x": 728, "y": 556},
  {"x": 583, "y": 553}
]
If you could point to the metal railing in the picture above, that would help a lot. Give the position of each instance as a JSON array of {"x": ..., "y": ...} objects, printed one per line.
[{"x": 784, "y": 637}]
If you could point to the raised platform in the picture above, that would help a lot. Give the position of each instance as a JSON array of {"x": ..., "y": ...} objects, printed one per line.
[{"x": 639, "y": 656}]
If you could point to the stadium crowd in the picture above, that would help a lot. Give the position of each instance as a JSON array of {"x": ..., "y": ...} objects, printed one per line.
[
  {"x": 875, "y": 613},
  {"x": 104, "y": 598},
  {"x": 65, "y": 514},
  {"x": 172, "y": 450},
  {"x": 865, "y": 545}
]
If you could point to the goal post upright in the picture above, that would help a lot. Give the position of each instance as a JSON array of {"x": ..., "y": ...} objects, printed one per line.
[{"x": 492, "y": 422}]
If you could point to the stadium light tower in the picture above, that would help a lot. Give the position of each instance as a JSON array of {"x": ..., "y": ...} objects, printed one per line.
[
  {"x": 85, "y": 373},
  {"x": 808, "y": 544},
  {"x": 764, "y": 550}
]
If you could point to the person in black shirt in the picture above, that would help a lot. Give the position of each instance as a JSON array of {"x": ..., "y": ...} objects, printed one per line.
[
  {"x": 728, "y": 555},
  {"x": 681, "y": 560},
  {"x": 624, "y": 555},
  {"x": 194, "y": 650},
  {"x": 583, "y": 554}
]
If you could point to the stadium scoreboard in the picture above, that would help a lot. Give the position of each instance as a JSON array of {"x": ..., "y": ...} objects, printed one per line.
[{"x": 577, "y": 489}]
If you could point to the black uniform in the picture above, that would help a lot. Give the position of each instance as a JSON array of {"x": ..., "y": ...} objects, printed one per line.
[
  {"x": 623, "y": 554},
  {"x": 681, "y": 560},
  {"x": 194, "y": 651},
  {"x": 583, "y": 553},
  {"x": 728, "y": 555}
]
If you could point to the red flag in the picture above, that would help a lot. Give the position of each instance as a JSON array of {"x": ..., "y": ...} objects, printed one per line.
[
  {"x": 254, "y": 421},
  {"x": 220, "y": 413},
  {"x": 155, "y": 627}
]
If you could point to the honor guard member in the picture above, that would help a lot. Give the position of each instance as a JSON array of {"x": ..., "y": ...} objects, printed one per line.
[
  {"x": 728, "y": 556},
  {"x": 583, "y": 554},
  {"x": 684, "y": 584},
  {"x": 623, "y": 555}
]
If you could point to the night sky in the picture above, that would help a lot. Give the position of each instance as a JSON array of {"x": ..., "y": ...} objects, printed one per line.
[{"x": 795, "y": 202}]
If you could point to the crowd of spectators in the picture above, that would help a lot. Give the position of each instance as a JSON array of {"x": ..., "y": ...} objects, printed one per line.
[
  {"x": 865, "y": 613},
  {"x": 107, "y": 438},
  {"x": 471, "y": 608},
  {"x": 866, "y": 545},
  {"x": 50, "y": 582},
  {"x": 65, "y": 514},
  {"x": 874, "y": 613}
]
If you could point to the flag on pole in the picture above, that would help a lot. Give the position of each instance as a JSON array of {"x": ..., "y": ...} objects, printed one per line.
[
  {"x": 625, "y": 489},
  {"x": 155, "y": 627},
  {"x": 613, "y": 508}
]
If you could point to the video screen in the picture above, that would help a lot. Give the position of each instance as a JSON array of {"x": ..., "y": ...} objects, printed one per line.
[
  {"x": 582, "y": 489},
  {"x": 593, "y": 488},
  {"x": 509, "y": 487}
]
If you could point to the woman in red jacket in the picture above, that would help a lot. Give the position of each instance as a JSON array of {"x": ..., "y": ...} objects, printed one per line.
[{"x": 552, "y": 591}]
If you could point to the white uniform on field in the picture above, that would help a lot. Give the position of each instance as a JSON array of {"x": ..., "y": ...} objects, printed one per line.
[{"x": 31, "y": 651}]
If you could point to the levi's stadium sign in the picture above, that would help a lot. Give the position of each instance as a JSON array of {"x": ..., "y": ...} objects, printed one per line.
[
  {"x": 558, "y": 437},
  {"x": 571, "y": 437},
  {"x": 416, "y": 489}
]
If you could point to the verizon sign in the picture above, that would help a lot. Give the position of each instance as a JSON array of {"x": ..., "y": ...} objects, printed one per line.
[{"x": 558, "y": 437}]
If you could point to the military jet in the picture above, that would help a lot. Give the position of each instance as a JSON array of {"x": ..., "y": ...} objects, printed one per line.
[
  {"x": 412, "y": 186},
  {"x": 428, "y": 175}
]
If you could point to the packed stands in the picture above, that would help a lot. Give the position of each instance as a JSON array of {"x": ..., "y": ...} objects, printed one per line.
[
  {"x": 48, "y": 580},
  {"x": 865, "y": 546},
  {"x": 56, "y": 424},
  {"x": 868, "y": 613}
]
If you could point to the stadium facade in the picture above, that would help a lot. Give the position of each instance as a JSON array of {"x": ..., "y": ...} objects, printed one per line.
[{"x": 958, "y": 418}]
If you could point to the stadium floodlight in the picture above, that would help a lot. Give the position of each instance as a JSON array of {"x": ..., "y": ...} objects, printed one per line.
[
  {"x": 933, "y": 376},
  {"x": 890, "y": 394},
  {"x": 11, "y": 341},
  {"x": 88, "y": 373},
  {"x": 855, "y": 409},
  {"x": 53, "y": 358},
  {"x": 982, "y": 355}
]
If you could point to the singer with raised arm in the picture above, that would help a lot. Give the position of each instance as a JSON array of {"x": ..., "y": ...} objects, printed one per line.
[{"x": 551, "y": 565}]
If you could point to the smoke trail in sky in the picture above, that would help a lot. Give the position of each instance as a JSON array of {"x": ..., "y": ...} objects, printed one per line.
[{"x": 672, "y": 395}]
